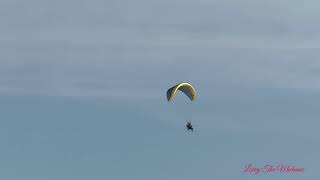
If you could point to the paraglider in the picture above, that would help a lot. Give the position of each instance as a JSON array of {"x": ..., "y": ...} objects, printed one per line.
[
  {"x": 189, "y": 126},
  {"x": 188, "y": 90}
]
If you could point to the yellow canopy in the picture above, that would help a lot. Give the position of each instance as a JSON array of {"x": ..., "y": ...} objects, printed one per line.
[{"x": 186, "y": 88}]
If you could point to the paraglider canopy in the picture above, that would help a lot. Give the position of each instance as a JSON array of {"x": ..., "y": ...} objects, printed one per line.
[{"x": 186, "y": 88}]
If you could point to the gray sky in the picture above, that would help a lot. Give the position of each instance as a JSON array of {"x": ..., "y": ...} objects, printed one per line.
[{"x": 82, "y": 87}]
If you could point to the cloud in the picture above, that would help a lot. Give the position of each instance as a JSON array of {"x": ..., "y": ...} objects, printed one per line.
[{"x": 105, "y": 47}]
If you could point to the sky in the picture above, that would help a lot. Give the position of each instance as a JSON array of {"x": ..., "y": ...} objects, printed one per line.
[{"x": 83, "y": 89}]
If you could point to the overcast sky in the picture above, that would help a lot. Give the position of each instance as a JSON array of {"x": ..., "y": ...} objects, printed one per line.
[{"x": 83, "y": 84}]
